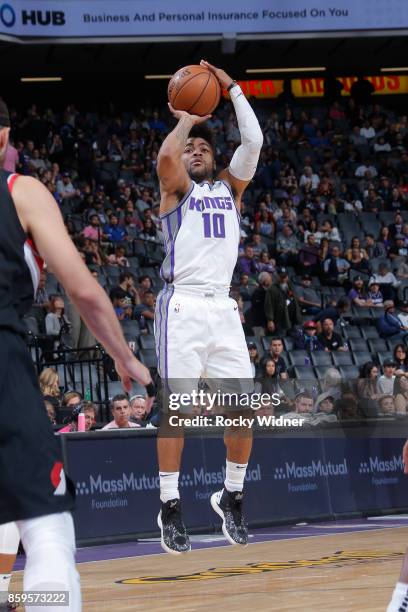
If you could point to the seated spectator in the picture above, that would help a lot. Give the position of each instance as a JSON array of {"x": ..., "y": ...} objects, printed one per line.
[
  {"x": 309, "y": 299},
  {"x": 401, "y": 360},
  {"x": 331, "y": 383},
  {"x": 309, "y": 181},
  {"x": 387, "y": 281},
  {"x": 121, "y": 413},
  {"x": 334, "y": 312},
  {"x": 396, "y": 228},
  {"x": 118, "y": 258},
  {"x": 246, "y": 287},
  {"x": 329, "y": 339},
  {"x": 254, "y": 359},
  {"x": 388, "y": 324},
  {"x": 335, "y": 268},
  {"x": 51, "y": 412},
  {"x": 307, "y": 339},
  {"x": 120, "y": 302},
  {"x": 357, "y": 294},
  {"x": 266, "y": 263},
  {"x": 282, "y": 308},
  {"x": 384, "y": 239},
  {"x": 258, "y": 316},
  {"x": 93, "y": 254},
  {"x": 358, "y": 262},
  {"x": 399, "y": 249},
  {"x": 325, "y": 410},
  {"x": 93, "y": 231},
  {"x": 401, "y": 394},
  {"x": 149, "y": 231},
  {"x": 368, "y": 390},
  {"x": 402, "y": 272},
  {"x": 309, "y": 256},
  {"x": 373, "y": 249},
  {"x": 257, "y": 245},
  {"x": 327, "y": 230},
  {"x": 324, "y": 248},
  {"x": 303, "y": 407},
  {"x": 146, "y": 308},
  {"x": 90, "y": 412},
  {"x": 66, "y": 189},
  {"x": 386, "y": 380},
  {"x": 268, "y": 382},
  {"x": 386, "y": 406},
  {"x": 287, "y": 247},
  {"x": 276, "y": 349},
  {"x": 355, "y": 244},
  {"x": 374, "y": 296},
  {"x": 113, "y": 231},
  {"x": 49, "y": 383},
  {"x": 57, "y": 324},
  {"x": 71, "y": 399},
  {"x": 138, "y": 410}
]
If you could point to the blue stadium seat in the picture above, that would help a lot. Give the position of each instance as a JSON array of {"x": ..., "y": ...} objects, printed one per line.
[
  {"x": 361, "y": 357},
  {"x": 392, "y": 342},
  {"x": 321, "y": 371},
  {"x": 341, "y": 358},
  {"x": 299, "y": 358},
  {"x": 288, "y": 343},
  {"x": 304, "y": 373},
  {"x": 266, "y": 343},
  {"x": 351, "y": 331},
  {"x": 147, "y": 341},
  {"x": 358, "y": 344},
  {"x": 377, "y": 345},
  {"x": 384, "y": 356},
  {"x": 349, "y": 372},
  {"x": 148, "y": 357},
  {"x": 369, "y": 331},
  {"x": 322, "y": 358}
]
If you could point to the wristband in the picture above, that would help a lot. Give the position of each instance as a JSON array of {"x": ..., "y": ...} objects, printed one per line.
[
  {"x": 232, "y": 85},
  {"x": 150, "y": 389}
]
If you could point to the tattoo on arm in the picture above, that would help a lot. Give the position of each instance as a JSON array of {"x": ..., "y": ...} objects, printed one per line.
[{"x": 182, "y": 130}]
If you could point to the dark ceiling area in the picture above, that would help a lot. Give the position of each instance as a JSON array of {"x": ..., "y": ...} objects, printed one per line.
[{"x": 105, "y": 70}]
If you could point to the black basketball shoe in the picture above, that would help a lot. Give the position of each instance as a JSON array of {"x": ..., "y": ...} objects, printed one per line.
[
  {"x": 229, "y": 507},
  {"x": 174, "y": 537}
]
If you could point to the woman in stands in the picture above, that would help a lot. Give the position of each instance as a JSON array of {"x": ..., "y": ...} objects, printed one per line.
[
  {"x": 384, "y": 238},
  {"x": 368, "y": 390},
  {"x": 49, "y": 383},
  {"x": 401, "y": 395},
  {"x": 355, "y": 244},
  {"x": 401, "y": 360},
  {"x": 56, "y": 323}
]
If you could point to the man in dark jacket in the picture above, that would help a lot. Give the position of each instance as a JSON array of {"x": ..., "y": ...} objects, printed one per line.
[
  {"x": 388, "y": 324},
  {"x": 282, "y": 308}
]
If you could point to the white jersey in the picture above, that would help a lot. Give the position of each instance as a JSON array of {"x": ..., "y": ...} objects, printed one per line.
[{"x": 201, "y": 238}]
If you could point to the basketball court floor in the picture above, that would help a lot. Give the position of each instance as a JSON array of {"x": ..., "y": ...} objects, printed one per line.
[{"x": 345, "y": 566}]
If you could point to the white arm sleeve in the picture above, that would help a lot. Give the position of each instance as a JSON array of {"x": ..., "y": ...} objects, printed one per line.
[{"x": 245, "y": 159}]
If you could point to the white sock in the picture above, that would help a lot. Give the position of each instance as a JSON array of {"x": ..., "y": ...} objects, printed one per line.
[
  {"x": 234, "y": 476},
  {"x": 169, "y": 486},
  {"x": 399, "y": 600}
]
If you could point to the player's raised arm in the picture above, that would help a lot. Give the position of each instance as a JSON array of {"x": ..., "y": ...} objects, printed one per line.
[
  {"x": 174, "y": 179},
  {"x": 41, "y": 219},
  {"x": 245, "y": 159}
]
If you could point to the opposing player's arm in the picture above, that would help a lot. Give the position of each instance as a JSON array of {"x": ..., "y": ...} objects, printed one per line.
[
  {"x": 41, "y": 219},
  {"x": 174, "y": 179},
  {"x": 245, "y": 159}
]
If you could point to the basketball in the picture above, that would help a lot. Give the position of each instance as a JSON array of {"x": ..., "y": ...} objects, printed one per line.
[{"x": 194, "y": 89}]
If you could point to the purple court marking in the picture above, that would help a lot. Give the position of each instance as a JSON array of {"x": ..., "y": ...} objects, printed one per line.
[{"x": 267, "y": 534}]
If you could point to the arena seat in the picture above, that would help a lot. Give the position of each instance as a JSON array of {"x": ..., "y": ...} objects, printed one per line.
[
  {"x": 361, "y": 357},
  {"x": 352, "y": 331},
  {"x": 349, "y": 372},
  {"x": 148, "y": 357},
  {"x": 358, "y": 344},
  {"x": 304, "y": 373},
  {"x": 377, "y": 345},
  {"x": 322, "y": 358},
  {"x": 369, "y": 331},
  {"x": 146, "y": 341},
  {"x": 342, "y": 358},
  {"x": 299, "y": 358}
]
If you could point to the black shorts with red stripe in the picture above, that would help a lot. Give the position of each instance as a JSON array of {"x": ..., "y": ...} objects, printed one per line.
[{"x": 32, "y": 478}]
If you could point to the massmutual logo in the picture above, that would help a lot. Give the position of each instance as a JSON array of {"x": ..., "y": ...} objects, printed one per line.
[
  {"x": 311, "y": 470},
  {"x": 30, "y": 17},
  {"x": 382, "y": 471},
  {"x": 98, "y": 484}
]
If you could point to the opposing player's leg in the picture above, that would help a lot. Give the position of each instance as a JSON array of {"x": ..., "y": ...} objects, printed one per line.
[
  {"x": 229, "y": 365},
  {"x": 49, "y": 543},
  {"x": 9, "y": 540},
  {"x": 179, "y": 337}
]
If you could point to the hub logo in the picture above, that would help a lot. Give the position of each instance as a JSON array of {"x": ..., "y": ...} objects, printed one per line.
[
  {"x": 375, "y": 464},
  {"x": 7, "y": 15},
  {"x": 311, "y": 470},
  {"x": 42, "y": 18}
]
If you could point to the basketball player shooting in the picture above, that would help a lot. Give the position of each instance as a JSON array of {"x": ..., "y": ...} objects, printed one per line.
[
  {"x": 34, "y": 491},
  {"x": 197, "y": 325}
]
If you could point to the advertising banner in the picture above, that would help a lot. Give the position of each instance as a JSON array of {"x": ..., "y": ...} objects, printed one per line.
[{"x": 103, "y": 18}]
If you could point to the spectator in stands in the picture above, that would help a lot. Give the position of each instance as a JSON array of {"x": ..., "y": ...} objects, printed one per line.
[
  {"x": 401, "y": 360},
  {"x": 327, "y": 230},
  {"x": 276, "y": 349},
  {"x": 282, "y": 308},
  {"x": 254, "y": 359},
  {"x": 334, "y": 312},
  {"x": 268, "y": 381},
  {"x": 309, "y": 181},
  {"x": 329, "y": 339},
  {"x": 325, "y": 404},
  {"x": 400, "y": 392},
  {"x": 121, "y": 413},
  {"x": 309, "y": 299},
  {"x": 386, "y": 380},
  {"x": 118, "y": 258},
  {"x": 287, "y": 247},
  {"x": 147, "y": 305},
  {"x": 396, "y": 227},
  {"x": 335, "y": 268},
  {"x": 149, "y": 231},
  {"x": 93, "y": 231},
  {"x": 388, "y": 324},
  {"x": 71, "y": 399},
  {"x": 358, "y": 261},
  {"x": 324, "y": 249},
  {"x": 57, "y": 324},
  {"x": 138, "y": 410},
  {"x": 90, "y": 412},
  {"x": 245, "y": 287},
  {"x": 357, "y": 294},
  {"x": 384, "y": 239},
  {"x": 368, "y": 390},
  {"x": 304, "y": 403},
  {"x": 307, "y": 339},
  {"x": 265, "y": 263},
  {"x": 257, "y": 245},
  {"x": 49, "y": 383},
  {"x": 127, "y": 284},
  {"x": 387, "y": 281},
  {"x": 403, "y": 314},
  {"x": 51, "y": 412},
  {"x": 258, "y": 316},
  {"x": 374, "y": 296},
  {"x": 387, "y": 406},
  {"x": 309, "y": 256},
  {"x": 355, "y": 244},
  {"x": 399, "y": 249},
  {"x": 66, "y": 189},
  {"x": 247, "y": 263},
  {"x": 373, "y": 249},
  {"x": 113, "y": 231}
]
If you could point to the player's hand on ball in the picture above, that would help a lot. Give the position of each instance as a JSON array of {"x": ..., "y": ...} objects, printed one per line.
[
  {"x": 179, "y": 114},
  {"x": 405, "y": 457},
  {"x": 224, "y": 79}
]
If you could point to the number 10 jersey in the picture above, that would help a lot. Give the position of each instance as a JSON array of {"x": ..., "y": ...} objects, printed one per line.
[{"x": 201, "y": 237}]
